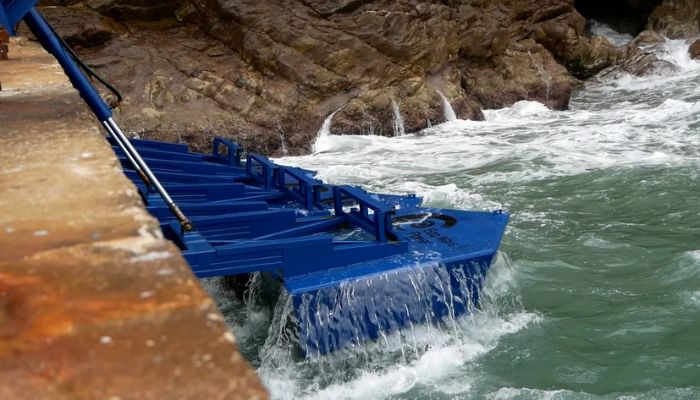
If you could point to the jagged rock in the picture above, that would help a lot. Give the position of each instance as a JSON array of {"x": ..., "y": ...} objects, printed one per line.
[
  {"x": 379, "y": 50},
  {"x": 676, "y": 19},
  {"x": 82, "y": 26},
  {"x": 640, "y": 64},
  {"x": 266, "y": 71},
  {"x": 694, "y": 49},
  {"x": 145, "y": 10},
  {"x": 648, "y": 38},
  {"x": 510, "y": 78},
  {"x": 638, "y": 58},
  {"x": 59, "y": 2}
]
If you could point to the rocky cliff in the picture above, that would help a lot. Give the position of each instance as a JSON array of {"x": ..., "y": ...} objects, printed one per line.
[{"x": 267, "y": 73}]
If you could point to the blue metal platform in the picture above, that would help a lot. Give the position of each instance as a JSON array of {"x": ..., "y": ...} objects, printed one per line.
[
  {"x": 323, "y": 242},
  {"x": 358, "y": 265}
]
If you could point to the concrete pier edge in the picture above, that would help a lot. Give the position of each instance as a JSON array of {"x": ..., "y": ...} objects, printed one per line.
[{"x": 94, "y": 303}]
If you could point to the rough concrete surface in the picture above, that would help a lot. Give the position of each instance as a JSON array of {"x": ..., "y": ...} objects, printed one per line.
[{"x": 94, "y": 303}]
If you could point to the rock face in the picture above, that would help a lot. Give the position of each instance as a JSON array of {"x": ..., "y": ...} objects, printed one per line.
[
  {"x": 267, "y": 73},
  {"x": 676, "y": 19},
  {"x": 694, "y": 50}
]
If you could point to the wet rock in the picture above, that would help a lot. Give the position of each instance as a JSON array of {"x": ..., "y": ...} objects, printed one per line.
[
  {"x": 144, "y": 10},
  {"x": 676, "y": 19},
  {"x": 523, "y": 76},
  {"x": 648, "y": 38},
  {"x": 4, "y": 41},
  {"x": 637, "y": 58},
  {"x": 694, "y": 49},
  {"x": 260, "y": 70},
  {"x": 638, "y": 64},
  {"x": 82, "y": 26},
  {"x": 59, "y": 2}
]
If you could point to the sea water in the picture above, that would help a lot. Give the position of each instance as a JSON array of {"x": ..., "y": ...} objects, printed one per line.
[{"x": 596, "y": 290}]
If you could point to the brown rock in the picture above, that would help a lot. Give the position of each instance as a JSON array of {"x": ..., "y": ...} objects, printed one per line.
[
  {"x": 676, "y": 18},
  {"x": 639, "y": 64},
  {"x": 694, "y": 49},
  {"x": 4, "y": 40},
  {"x": 144, "y": 10},
  {"x": 258, "y": 71},
  {"x": 520, "y": 76},
  {"x": 82, "y": 26},
  {"x": 647, "y": 38}
]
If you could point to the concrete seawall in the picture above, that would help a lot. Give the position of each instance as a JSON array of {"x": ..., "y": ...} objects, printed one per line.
[{"x": 94, "y": 303}]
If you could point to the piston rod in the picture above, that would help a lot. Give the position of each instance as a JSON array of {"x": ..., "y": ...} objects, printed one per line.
[{"x": 50, "y": 41}]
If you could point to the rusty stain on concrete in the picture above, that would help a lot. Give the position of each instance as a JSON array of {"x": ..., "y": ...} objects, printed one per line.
[{"x": 94, "y": 303}]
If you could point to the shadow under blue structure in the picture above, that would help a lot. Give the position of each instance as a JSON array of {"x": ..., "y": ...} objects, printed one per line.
[{"x": 351, "y": 260}]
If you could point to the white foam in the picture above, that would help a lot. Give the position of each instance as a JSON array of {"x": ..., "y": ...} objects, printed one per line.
[
  {"x": 676, "y": 52},
  {"x": 447, "y": 109},
  {"x": 447, "y": 354},
  {"x": 694, "y": 255},
  {"x": 692, "y": 298},
  {"x": 616, "y": 38},
  {"x": 525, "y": 142},
  {"x": 326, "y": 126},
  {"x": 399, "y": 128},
  {"x": 516, "y": 394},
  {"x": 595, "y": 241},
  {"x": 445, "y": 196},
  {"x": 524, "y": 109}
]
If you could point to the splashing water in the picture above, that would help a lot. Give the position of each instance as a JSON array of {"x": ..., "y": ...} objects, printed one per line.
[
  {"x": 399, "y": 129},
  {"x": 283, "y": 145},
  {"x": 326, "y": 126},
  {"x": 595, "y": 291},
  {"x": 543, "y": 74},
  {"x": 447, "y": 108},
  {"x": 324, "y": 132},
  {"x": 616, "y": 38},
  {"x": 403, "y": 364}
]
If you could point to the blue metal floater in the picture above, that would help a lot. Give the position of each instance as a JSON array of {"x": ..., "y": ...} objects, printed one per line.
[{"x": 357, "y": 265}]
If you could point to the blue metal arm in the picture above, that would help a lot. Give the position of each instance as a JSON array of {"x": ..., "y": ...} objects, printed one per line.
[
  {"x": 45, "y": 35},
  {"x": 12, "y": 11}
]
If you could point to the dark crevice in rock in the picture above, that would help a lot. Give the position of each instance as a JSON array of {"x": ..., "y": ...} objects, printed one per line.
[{"x": 625, "y": 16}]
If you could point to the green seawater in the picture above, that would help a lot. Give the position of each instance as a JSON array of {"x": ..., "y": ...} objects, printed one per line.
[
  {"x": 612, "y": 265},
  {"x": 596, "y": 291}
]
